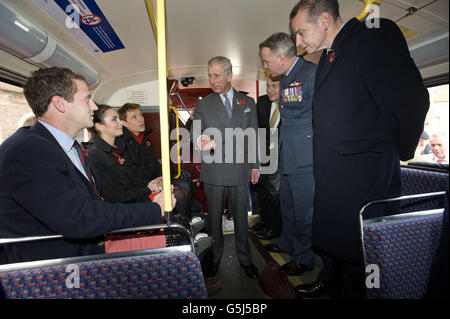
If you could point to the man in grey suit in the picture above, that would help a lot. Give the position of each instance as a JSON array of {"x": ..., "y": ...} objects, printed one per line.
[
  {"x": 279, "y": 57},
  {"x": 229, "y": 161}
]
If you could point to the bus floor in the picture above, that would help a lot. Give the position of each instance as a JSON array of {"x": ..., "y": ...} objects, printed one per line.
[{"x": 236, "y": 284}]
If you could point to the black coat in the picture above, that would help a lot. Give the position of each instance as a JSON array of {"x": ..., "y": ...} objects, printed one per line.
[
  {"x": 263, "y": 107},
  {"x": 43, "y": 193},
  {"x": 141, "y": 155},
  {"x": 117, "y": 175},
  {"x": 368, "y": 113}
]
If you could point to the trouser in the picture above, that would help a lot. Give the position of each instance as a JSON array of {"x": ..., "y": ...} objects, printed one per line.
[
  {"x": 296, "y": 201},
  {"x": 348, "y": 279},
  {"x": 268, "y": 189},
  {"x": 216, "y": 196}
]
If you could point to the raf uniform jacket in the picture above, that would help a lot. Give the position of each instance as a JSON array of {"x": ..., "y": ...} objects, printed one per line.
[
  {"x": 369, "y": 108},
  {"x": 295, "y": 130},
  {"x": 117, "y": 175},
  {"x": 231, "y": 162},
  {"x": 43, "y": 193}
]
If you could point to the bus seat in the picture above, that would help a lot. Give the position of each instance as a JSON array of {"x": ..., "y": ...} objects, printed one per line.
[
  {"x": 160, "y": 276},
  {"x": 416, "y": 181},
  {"x": 163, "y": 273},
  {"x": 402, "y": 247}
]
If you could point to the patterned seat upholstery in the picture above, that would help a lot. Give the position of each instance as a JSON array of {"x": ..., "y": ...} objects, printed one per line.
[
  {"x": 416, "y": 181},
  {"x": 403, "y": 248},
  {"x": 162, "y": 276}
]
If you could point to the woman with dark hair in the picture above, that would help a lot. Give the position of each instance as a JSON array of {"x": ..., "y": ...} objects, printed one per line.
[{"x": 117, "y": 176}]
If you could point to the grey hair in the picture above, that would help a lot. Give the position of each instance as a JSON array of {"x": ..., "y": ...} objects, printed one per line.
[
  {"x": 280, "y": 43},
  {"x": 227, "y": 68}
]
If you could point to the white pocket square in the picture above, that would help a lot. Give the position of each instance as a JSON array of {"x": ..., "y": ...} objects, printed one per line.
[{"x": 247, "y": 110}]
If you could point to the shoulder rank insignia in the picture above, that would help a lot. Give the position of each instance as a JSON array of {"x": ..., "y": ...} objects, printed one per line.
[{"x": 294, "y": 93}]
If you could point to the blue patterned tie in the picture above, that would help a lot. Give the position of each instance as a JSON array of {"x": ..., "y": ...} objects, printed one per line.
[{"x": 227, "y": 105}]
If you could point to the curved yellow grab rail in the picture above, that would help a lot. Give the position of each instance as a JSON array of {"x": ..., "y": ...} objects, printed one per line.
[
  {"x": 178, "y": 142},
  {"x": 151, "y": 15},
  {"x": 367, "y": 6}
]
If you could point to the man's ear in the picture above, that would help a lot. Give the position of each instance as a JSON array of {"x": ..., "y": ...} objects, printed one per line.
[
  {"x": 324, "y": 20},
  {"x": 124, "y": 123},
  {"x": 59, "y": 103}
]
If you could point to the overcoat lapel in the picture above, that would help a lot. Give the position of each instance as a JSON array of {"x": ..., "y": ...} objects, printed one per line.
[{"x": 328, "y": 61}]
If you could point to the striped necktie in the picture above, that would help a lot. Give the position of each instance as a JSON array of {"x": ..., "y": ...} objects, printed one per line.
[{"x": 84, "y": 162}]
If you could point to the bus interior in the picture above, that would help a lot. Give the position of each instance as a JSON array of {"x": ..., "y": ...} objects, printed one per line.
[{"x": 120, "y": 63}]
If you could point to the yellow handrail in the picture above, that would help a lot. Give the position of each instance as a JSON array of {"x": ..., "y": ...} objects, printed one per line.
[
  {"x": 366, "y": 10},
  {"x": 178, "y": 141},
  {"x": 163, "y": 105}
]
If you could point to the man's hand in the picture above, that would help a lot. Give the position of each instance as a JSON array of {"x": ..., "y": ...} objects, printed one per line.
[
  {"x": 255, "y": 176},
  {"x": 159, "y": 199},
  {"x": 205, "y": 143}
]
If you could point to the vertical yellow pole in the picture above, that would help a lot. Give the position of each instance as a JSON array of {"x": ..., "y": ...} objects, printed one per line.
[{"x": 163, "y": 109}]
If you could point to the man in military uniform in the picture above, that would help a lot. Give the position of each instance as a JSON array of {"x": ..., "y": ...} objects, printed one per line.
[{"x": 279, "y": 57}]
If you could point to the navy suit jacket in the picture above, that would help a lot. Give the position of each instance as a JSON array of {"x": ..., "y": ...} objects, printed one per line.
[
  {"x": 368, "y": 113},
  {"x": 43, "y": 193}
]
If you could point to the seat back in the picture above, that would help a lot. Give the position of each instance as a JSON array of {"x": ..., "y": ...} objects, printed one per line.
[
  {"x": 149, "y": 274},
  {"x": 169, "y": 273},
  {"x": 403, "y": 247},
  {"x": 416, "y": 181}
]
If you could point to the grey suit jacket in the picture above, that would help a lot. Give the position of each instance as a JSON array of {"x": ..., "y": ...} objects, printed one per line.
[{"x": 236, "y": 152}]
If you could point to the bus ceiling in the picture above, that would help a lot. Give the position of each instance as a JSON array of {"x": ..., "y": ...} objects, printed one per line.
[{"x": 35, "y": 33}]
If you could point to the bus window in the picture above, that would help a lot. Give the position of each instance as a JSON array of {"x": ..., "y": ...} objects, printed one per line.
[
  {"x": 14, "y": 110},
  {"x": 433, "y": 145}
]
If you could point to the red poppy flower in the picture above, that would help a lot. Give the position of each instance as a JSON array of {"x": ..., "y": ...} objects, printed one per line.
[
  {"x": 242, "y": 102},
  {"x": 332, "y": 57},
  {"x": 148, "y": 143}
]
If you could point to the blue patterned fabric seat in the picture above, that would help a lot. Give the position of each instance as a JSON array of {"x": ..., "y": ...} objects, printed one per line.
[
  {"x": 162, "y": 276},
  {"x": 416, "y": 181},
  {"x": 403, "y": 247}
]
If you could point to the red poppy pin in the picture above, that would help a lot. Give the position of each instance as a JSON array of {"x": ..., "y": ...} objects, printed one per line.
[
  {"x": 148, "y": 143},
  {"x": 119, "y": 159},
  {"x": 332, "y": 57},
  {"x": 242, "y": 102}
]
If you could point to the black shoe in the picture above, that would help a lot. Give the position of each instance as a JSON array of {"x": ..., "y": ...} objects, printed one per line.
[
  {"x": 258, "y": 227},
  {"x": 313, "y": 290},
  {"x": 213, "y": 268},
  {"x": 293, "y": 268},
  {"x": 251, "y": 271},
  {"x": 270, "y": 234},
  {"x": 273, "y": 248}
]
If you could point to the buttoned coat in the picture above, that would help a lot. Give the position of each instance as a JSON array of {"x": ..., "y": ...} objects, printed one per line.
[
  {"x": 295, "y": 130},
  {"x": 231, "y": 162},
  {"x": 368, "y": 113}
]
